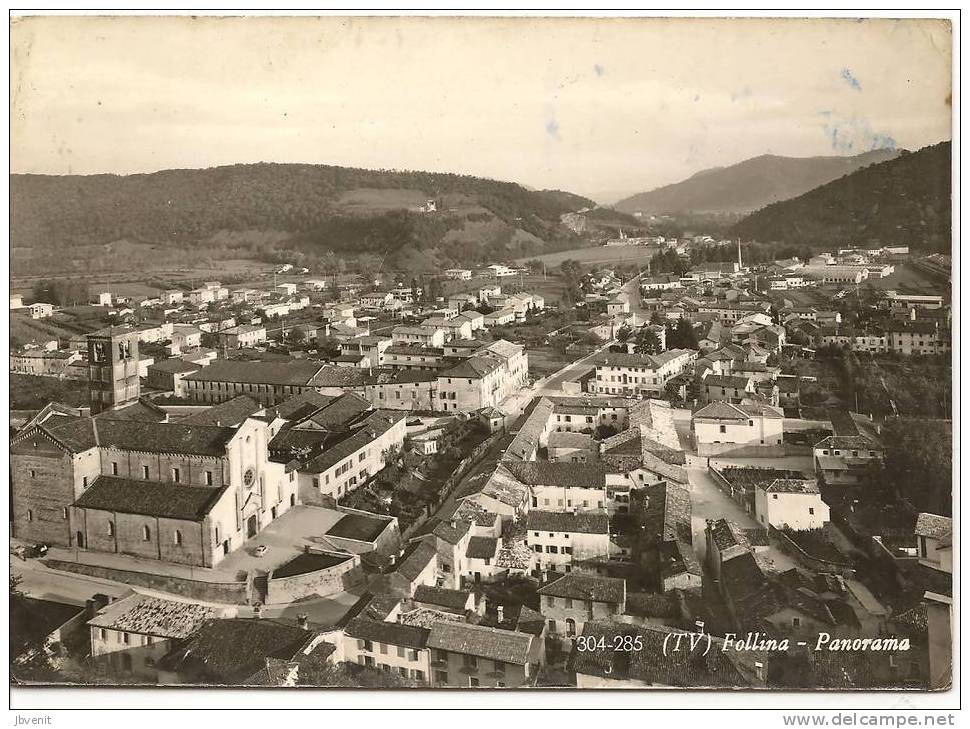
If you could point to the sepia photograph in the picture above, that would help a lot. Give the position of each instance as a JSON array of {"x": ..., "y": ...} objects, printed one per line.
[{"x": 493, "y": 353}]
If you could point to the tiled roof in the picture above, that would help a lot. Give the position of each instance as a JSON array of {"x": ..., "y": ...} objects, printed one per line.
[
  {"x": 339, "y": 412},
  {"x": 587, "y": 587},
  {"x": 848, "y": 442},
  {"x": 481, "y": 641},
  {"x": 482, "y": 548},
  {"x": 299, "y": 406},
  {"x": 377, "y": 423},
  {"x": 730, "y": 381},
  {"x": 668, "y": 512},
  {"x": 793, "y": 486},
  {"x": 454, "y": 599},
  {"x": 452, "y": 534},
  {"x": 581, "y": 522},
  {"x": 720, "y": 410},
  {"x": 153, "y": 616},
  {"x": 652, "y": 665},
  {"x": 129, "y": 435},
  {"x": 933, "y": 526},
  {"x": 381, "y": 631},
  {"x": 150, "y": 498},
  {"x": 526, "y": 441},
  {"x": 416, "y": 559},
  {"x": 282, "y": 372},
  {"x": 229, "y": 651},
  {"x": 727, "y": 534},
  {"x": 566, "y": 475},
  {"x": 334, "y": 376},
  {"x": 230, "y": 413},
  {"x": 472, "y": 368}
]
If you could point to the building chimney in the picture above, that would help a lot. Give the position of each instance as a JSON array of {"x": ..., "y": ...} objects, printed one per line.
[
  {"x": 500, "y": 610},
  {"x": 302, "y": 621}
]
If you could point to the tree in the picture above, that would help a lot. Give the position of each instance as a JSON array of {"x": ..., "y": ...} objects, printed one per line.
[
  {"x": 647, "y": 342},
  {"x": 61, "y": 292},
  {"x": 681, "y": 335},
  {"x": 919, "y": 462},
  {"x": 623, "y": 334}
]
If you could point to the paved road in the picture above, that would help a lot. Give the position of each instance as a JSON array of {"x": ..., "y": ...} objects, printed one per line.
[
  {"x": 44, "y": 584},
  {"x": 552, "y": 384},
  {"x": 709, "y": 502}
]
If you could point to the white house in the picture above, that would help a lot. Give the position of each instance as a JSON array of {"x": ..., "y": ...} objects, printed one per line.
[
  {"x": 498, "y": 270},
  {"x": 557, "y": 539},
  {"x": 790, "y": 502},
  {"x": 619, "y": 373},
  {"x": 41, "y": 310},
  {"x": 722, "y": 427},
  {"x": 935, "y": 535},
  {"x": 459, "y": 274}
]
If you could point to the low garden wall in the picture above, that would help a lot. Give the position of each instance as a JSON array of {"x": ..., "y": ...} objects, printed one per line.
[{"x": 234, "y": 593}]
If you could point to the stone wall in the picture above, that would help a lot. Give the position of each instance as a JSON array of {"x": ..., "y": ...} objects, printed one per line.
[
  {"x": 42, "y": 487},
  {"x": 323, "y": 582},
  {"x": 751, "y": 451},
  {"x": 233, "y": 593}
]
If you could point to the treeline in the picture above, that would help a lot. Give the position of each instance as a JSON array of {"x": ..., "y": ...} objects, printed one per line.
[{"x": 61, "y": 292}]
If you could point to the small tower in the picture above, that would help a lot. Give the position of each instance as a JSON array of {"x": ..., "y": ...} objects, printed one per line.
[
  {"x": 112, "y": 369},
  {"x": 740, "y": 265}
]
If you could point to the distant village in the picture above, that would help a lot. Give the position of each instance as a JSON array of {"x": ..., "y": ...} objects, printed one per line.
[{"x": 326, "y": 482}]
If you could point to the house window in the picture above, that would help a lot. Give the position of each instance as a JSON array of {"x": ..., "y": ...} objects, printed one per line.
[
  {"x": 144, "y": 471},
  {"x": 471, "y": 662},
  {"x": 569, "y": 602},
  {"x": 795, "y": 622},
  {"x": 472, "y": 681},
  {"x": 125, "y": 638},
  {"x": 111, "y": 528},
  {"x": 550, "y": 601},
  {"x": 33, "y": 474},
  {"x": 30, "y": 515},
  {"x": 208, "y": 478},
  {"x": 146, "y": 533},
  {"x": 177, "y": 537},
  {"x": 64, "y": 512},
  {"x": 774, "y": 496},
  {"x": 114, "y": 468},
  {"x": 722, "y": 428},
  {"x": 84, "y": 482},
  {"x": 441, "y": 677},
  {"x": 176, "y": 475}
]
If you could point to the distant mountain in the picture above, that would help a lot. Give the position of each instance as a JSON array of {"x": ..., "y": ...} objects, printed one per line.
[
  {"x": 317, "y": 209},
  {"x": 748, "y": 185},
  {"x": 905, "y": 201}
]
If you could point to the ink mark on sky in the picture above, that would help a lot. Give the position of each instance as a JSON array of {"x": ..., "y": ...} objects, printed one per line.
[
  {"x": 854, "y": 136},
  {"x": 850, "y": 79},
  {"x": 599, "y": 69},
  {"x": 552, "y": 128}
]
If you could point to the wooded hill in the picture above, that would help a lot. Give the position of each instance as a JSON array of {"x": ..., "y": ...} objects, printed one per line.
[
  {"x": 314, "y": 208},
  {"x": 905, "y": 201}
]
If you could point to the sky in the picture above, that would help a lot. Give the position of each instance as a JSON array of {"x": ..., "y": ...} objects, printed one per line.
[{"x": 601, "y": 107}]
